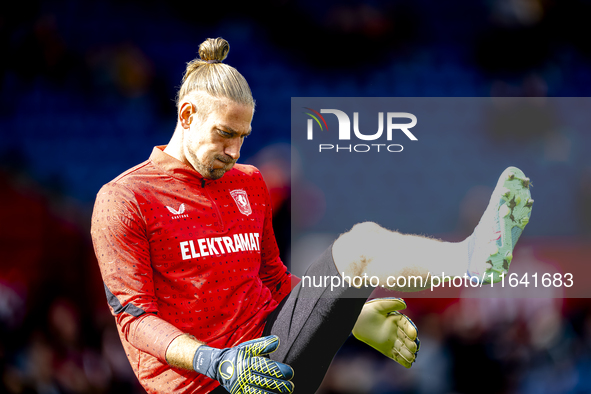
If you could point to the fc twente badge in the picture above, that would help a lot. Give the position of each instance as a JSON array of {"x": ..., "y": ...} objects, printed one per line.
[{"x": 241, "y": 199}]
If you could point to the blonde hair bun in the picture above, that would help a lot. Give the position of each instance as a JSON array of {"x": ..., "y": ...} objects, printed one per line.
[
  {"x": 214, "y": 50},
  {"x": 207, "y": 74}
]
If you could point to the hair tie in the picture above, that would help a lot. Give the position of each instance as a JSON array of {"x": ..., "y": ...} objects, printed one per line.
[{"x": 213, "y": 61}]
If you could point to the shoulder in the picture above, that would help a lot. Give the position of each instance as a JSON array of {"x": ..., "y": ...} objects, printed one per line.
[
  {"x": 125, "y": 184},
  {"x": 141, "y": 169},
  {"x": 131, "y": 178},
  {"x": 246, "y": 170}
]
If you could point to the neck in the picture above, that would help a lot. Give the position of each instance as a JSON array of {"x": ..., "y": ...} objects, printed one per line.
[{"x": 175, "y": 146}]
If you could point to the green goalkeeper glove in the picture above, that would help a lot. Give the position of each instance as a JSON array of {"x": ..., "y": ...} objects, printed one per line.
[
  {"x": 382, "y": 327},
  {"x": 242, "y": 370}
]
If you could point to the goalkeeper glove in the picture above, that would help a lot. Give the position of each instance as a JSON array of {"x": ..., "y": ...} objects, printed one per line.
[
  {"x": 382, "y": 327},
  {"x": 242, "y": 370}
]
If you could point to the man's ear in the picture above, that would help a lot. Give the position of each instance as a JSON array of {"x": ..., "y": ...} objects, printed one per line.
[{"x": 186, "y": 114}]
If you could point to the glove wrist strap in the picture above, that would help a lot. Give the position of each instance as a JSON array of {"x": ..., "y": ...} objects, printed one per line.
[{"x": 203, "y": 359}]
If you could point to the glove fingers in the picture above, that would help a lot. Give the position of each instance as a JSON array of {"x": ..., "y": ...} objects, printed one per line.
[
  {"x": 412, "y": 333},
  {"x": 412, "y": 346},
  {"x": 407, "y": 343},
  {"x": 406, "y": 327},
  {"x": 400, "y": 359},
  {"x": 412, "y": 329},
  {"x": 263, "y": 384},
  {"x": 401, "y": 349},
  {"x": 261, "y": 346},
  {"x": 269, "y": 368},
  {"x": 254, "y": 390}
]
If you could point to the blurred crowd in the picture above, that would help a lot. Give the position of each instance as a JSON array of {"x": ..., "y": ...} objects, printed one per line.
[{"x": 88, "y": 88}]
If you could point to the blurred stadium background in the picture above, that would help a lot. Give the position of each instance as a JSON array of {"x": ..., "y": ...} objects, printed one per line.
[{"x": 87, "y": 89}]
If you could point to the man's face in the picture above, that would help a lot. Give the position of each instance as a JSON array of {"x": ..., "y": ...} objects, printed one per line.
[{"x": 212, "y": 146}]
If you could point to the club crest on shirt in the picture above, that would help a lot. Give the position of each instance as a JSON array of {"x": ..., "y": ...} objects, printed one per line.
[{"x": 241, "y": 199}]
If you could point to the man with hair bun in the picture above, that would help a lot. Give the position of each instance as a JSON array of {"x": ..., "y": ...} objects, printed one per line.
[{"x": 192, "y": 272}]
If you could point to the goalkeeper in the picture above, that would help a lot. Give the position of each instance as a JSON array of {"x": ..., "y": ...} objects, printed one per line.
[{"x": 192, "y": 273}]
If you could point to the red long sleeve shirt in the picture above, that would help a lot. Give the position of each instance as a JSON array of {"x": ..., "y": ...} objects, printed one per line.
[{"x": 182, "y": 254}]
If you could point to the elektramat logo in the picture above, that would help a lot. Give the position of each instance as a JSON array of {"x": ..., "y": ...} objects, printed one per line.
[{"x": 345, "y": 130}]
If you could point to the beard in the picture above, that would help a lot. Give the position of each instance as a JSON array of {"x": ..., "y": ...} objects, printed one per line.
[{"x": 208, "y": 171}]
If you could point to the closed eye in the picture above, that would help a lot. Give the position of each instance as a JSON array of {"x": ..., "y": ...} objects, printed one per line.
[{"x": 231, "y": 133}]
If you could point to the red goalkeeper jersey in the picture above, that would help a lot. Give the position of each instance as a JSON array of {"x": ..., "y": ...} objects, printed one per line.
[{"x": 179, "y": 253}]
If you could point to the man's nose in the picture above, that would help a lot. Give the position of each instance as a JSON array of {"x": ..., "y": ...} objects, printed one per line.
[{"x": 233, "y": 148}]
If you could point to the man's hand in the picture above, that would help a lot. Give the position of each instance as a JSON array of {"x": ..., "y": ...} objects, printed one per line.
[
  {"x": 382, "y": 327},
  {"x": 242, "y": 370}
]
